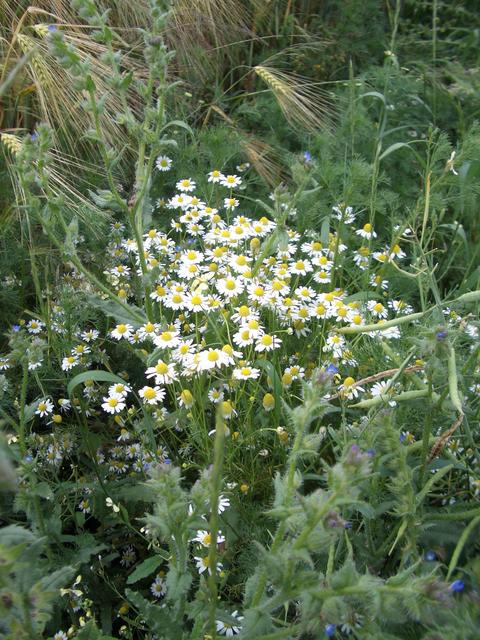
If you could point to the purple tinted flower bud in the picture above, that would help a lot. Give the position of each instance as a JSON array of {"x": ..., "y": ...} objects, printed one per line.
[
  {"x": 370, "y": 452},
  {"x": 441, "y": 335},
  {"x": 430, "y": 556},
  {"x": 330, "y": 630}
]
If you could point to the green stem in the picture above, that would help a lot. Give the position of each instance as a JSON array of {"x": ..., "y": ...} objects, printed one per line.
[{"x": 215, "y": 488}]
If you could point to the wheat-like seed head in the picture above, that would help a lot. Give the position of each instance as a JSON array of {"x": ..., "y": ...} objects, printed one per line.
[
  {"x": 11, "y": 142},
  {"x": 302, "y": 101}
]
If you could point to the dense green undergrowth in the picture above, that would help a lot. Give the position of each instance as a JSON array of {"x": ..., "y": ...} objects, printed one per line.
[{"x": 240, "y": 352}]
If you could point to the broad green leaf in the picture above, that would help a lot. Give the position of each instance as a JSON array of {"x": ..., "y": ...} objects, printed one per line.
[
  {"x": 122, "y": 313},
  {"x": 96, "y": 375},
  {"x": 144, "y": 569}
]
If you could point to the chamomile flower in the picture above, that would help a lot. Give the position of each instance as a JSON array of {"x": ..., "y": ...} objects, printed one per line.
[
  {"x": 158, "y": 587},
  {"x": 163, "y": 372},
  {"x": 215, "y": 176},
  {"x": 366, "y": 232},
  {"x": 344, "y": 213},
  {"x": 147, "y": 331},
  {"x": 69, "y": 362},
  {"x": 377, "y": 309},
  {"x": 215, "y": 395},
  {"x": 267, "y": 342},
  {"x": 205, "y": 538},
  {"x": 113, "y": 403},
  {"x": 230, "y": 181},
  {"x": 90, "y": 335},
  {"x": 246, "y": 373},
  {"x": 202, "y": 565},
  {"x": 35, "y": 327},
  {"x": 151, "y": 395},
  {"x": 229, "y": 629},
  {"x": 186, "y": 185},
  {"x": 119, "y": 388},
  {"x": 230, "y": 203},
  {"x": 163, "y": 163},
  {"x": 44, "y": 408},
  {"x": 84, "y": 506},
  {"x": 167, "y": 339},
  {"x": 349, "y": 389},
  {"x": 397, "y": 252},
  {"x": 124, "y": 331}
]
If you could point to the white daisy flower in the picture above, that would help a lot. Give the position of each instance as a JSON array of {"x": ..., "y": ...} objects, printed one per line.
[
  {"x": 227, "y": 628},
  {"x": 44, "y": 408},
  {"x": 114, "y": 403},
  {"x": 230, "y": 181},
  {"x": 230, "y": 203},
  {"x": 246, "y": 373},
  {"x": 151, "y": 395},
  {"x": 69, "y": 362},
  {"x": 163, "y": 163},
  {"x": 205, "y": 538},
  {"x": 163, "y": 372},
  {"x": 34, "y": 326},
  {"x": 202, "y": 564},
  {"x": 267, "y": 343},
  {"x": 158, "y": 587},
  {"x": 366, "y": 231},
  {"x": 122, "y": 331},
  {"x": 186, "y": 185},
  {"x": 215, "y": 176}
]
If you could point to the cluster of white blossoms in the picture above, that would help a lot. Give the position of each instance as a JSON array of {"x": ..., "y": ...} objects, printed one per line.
[{"x": 224, "y": 298}]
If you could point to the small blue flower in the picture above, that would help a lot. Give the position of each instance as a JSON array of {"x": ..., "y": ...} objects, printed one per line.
[
  {"x": 167, "y": 461},
  {"x": 52, "y": 28},
  {"x": 28, "y": 458},
  {"x": 307, "y": 156},
  {"x": 330, "y": 630},
  {"x": 403, "y": 437},
  {"x": 458, "y": 586},
  {"x": 441, "y": 335},
  {"x": 347, "y": 525},
  {"x": 331, "y": 369},
  {"x": 16, "y": 327},
  {"x": 34, "y": 136},
  {"x": 370, "y": 452},
  {"x": 430, "y": 556}
]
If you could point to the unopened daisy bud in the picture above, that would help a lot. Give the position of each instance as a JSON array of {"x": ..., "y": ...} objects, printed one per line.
[
  {"x": 282, "y": 435},
  {"x": 124, "y": 609},
  {"x": 255, "y": 244},
  {"x": 244, "y": 487},
  {"x": 268, "y": 402},
  {"x": 186, "y": 399}
]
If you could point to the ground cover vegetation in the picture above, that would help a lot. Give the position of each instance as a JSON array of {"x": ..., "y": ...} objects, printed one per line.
[{"x": 240, "y": 282}]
